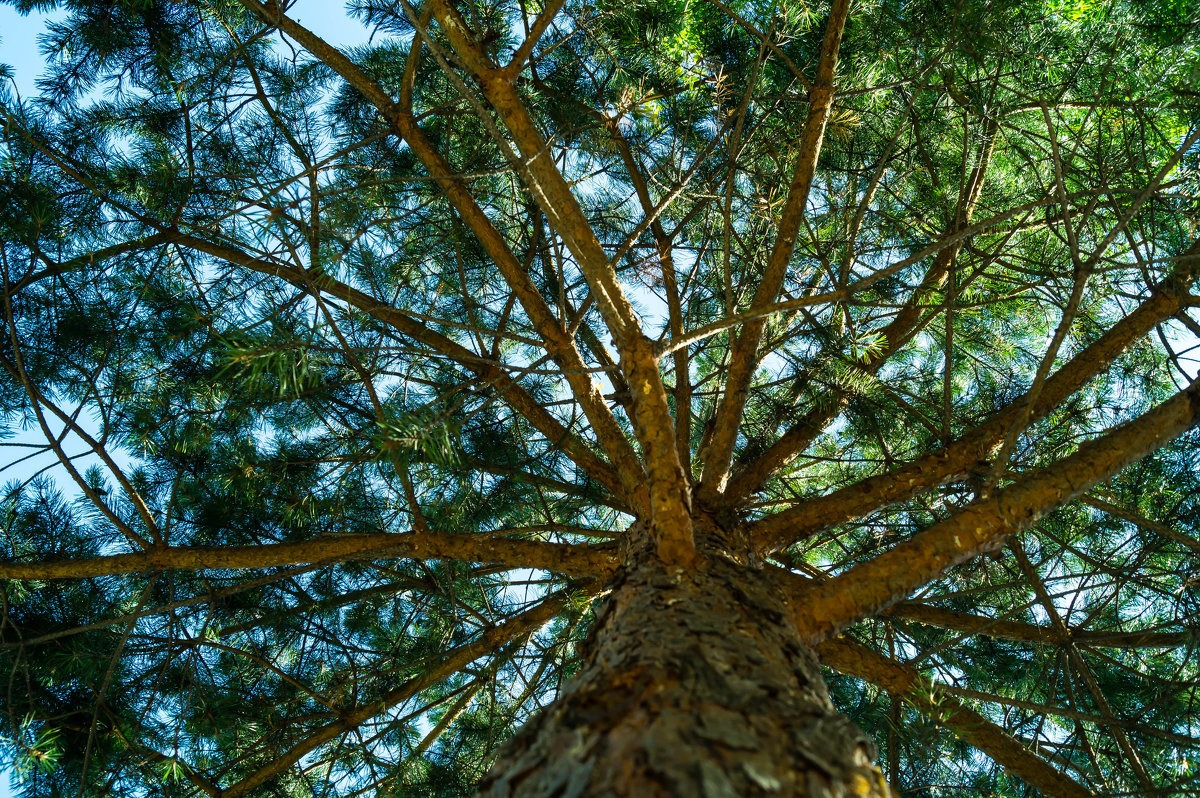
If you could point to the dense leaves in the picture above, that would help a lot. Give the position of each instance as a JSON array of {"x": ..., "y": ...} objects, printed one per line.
[{"x": 244, "y": 308}]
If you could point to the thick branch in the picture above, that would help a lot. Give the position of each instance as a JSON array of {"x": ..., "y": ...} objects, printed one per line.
[
  {"x": 559, "y": 343},
  {"x": 670, "y": 496},
  {"x": 743, "y": 360},
  {"x": 902, "y": 681},
  {"x": 871, "y": 586},
  {"x": 563, "y": 559},
  {"x": 970, "y": 450}
]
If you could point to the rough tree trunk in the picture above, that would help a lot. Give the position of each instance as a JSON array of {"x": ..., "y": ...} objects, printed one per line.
[{"x": 693, "y": 684}]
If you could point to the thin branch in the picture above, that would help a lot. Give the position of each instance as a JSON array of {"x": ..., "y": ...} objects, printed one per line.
[
  {"x": 907, "y": 322},
  {"x": 535, "y": 33},
  {"x": 1142, "y": 521},
  {"x": 968, "y": 624},
  {"x": 452, "y": 661}
]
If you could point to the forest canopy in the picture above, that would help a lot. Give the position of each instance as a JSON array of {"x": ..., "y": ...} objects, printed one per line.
[{"x": 595, "y": 369}]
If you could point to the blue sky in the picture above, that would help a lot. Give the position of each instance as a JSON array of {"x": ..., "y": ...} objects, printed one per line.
[{"x": 19, "y": 47}]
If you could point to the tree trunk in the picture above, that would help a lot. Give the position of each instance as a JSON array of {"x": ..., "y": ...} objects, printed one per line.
[{"x": 694, "y": 683}]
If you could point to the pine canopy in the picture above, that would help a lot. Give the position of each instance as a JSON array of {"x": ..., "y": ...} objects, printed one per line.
[{"x": 343, "y": 386}]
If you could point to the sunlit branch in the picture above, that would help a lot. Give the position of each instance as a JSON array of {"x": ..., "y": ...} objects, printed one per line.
[
  {"x": 743, "y": 358},
  {"x": 558, "y": 342},
  {"x": 560, "y": 558},
  {"x": 670, "y": 497},
  {"x": 867, "y": 588},
  {"x": 972, "y": 449},
  {"x": 854, "y": 659}
]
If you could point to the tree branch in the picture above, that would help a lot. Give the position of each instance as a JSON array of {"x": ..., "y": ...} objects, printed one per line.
[
  {"x": 854, "y": 659},
  {"x": 453, "y": 661},
  {"x": 967, "y": 624},
  {"x": 972, "y": 449},
  {"x": 564, "y": 559},
  {"x": 559, "y": 344},
  {"x": 1140, "y": 520},
  {"x": 871, "y": 586},
  {"x": 743, "y": 357},
  {"x": 490, "y": 371},
  {"x": 896, "y": 334},
  {"x": 670, "y": 496}
]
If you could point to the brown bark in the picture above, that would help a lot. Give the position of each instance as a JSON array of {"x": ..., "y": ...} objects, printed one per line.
[
  {"x": 565, "y": 559},
  {"x": 694, "y": 683}
]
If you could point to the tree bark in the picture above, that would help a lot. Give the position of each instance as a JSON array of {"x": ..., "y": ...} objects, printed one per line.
[{"x": 693, "y": 683}]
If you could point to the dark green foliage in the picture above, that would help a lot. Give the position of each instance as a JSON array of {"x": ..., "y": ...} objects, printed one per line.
[{"x": 187, "y": 204}]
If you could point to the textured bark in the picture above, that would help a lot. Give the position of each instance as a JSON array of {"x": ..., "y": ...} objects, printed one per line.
[{"x": 695, "y": 683}]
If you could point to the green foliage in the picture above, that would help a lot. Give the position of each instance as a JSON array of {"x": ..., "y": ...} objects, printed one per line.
[{"x": 240, "y": 311}]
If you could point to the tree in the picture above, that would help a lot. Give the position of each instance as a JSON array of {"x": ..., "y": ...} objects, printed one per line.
[{"x": 595, "y": 369}]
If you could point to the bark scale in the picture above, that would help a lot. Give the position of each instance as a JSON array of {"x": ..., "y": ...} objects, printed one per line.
[{"x": 694, "y": 683}]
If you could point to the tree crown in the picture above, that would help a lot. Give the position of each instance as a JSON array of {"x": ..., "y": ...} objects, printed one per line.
[{"x": 345, "y": 374}]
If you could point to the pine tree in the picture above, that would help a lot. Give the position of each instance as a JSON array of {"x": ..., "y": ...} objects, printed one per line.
[{"x": 634, "y": 397}]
